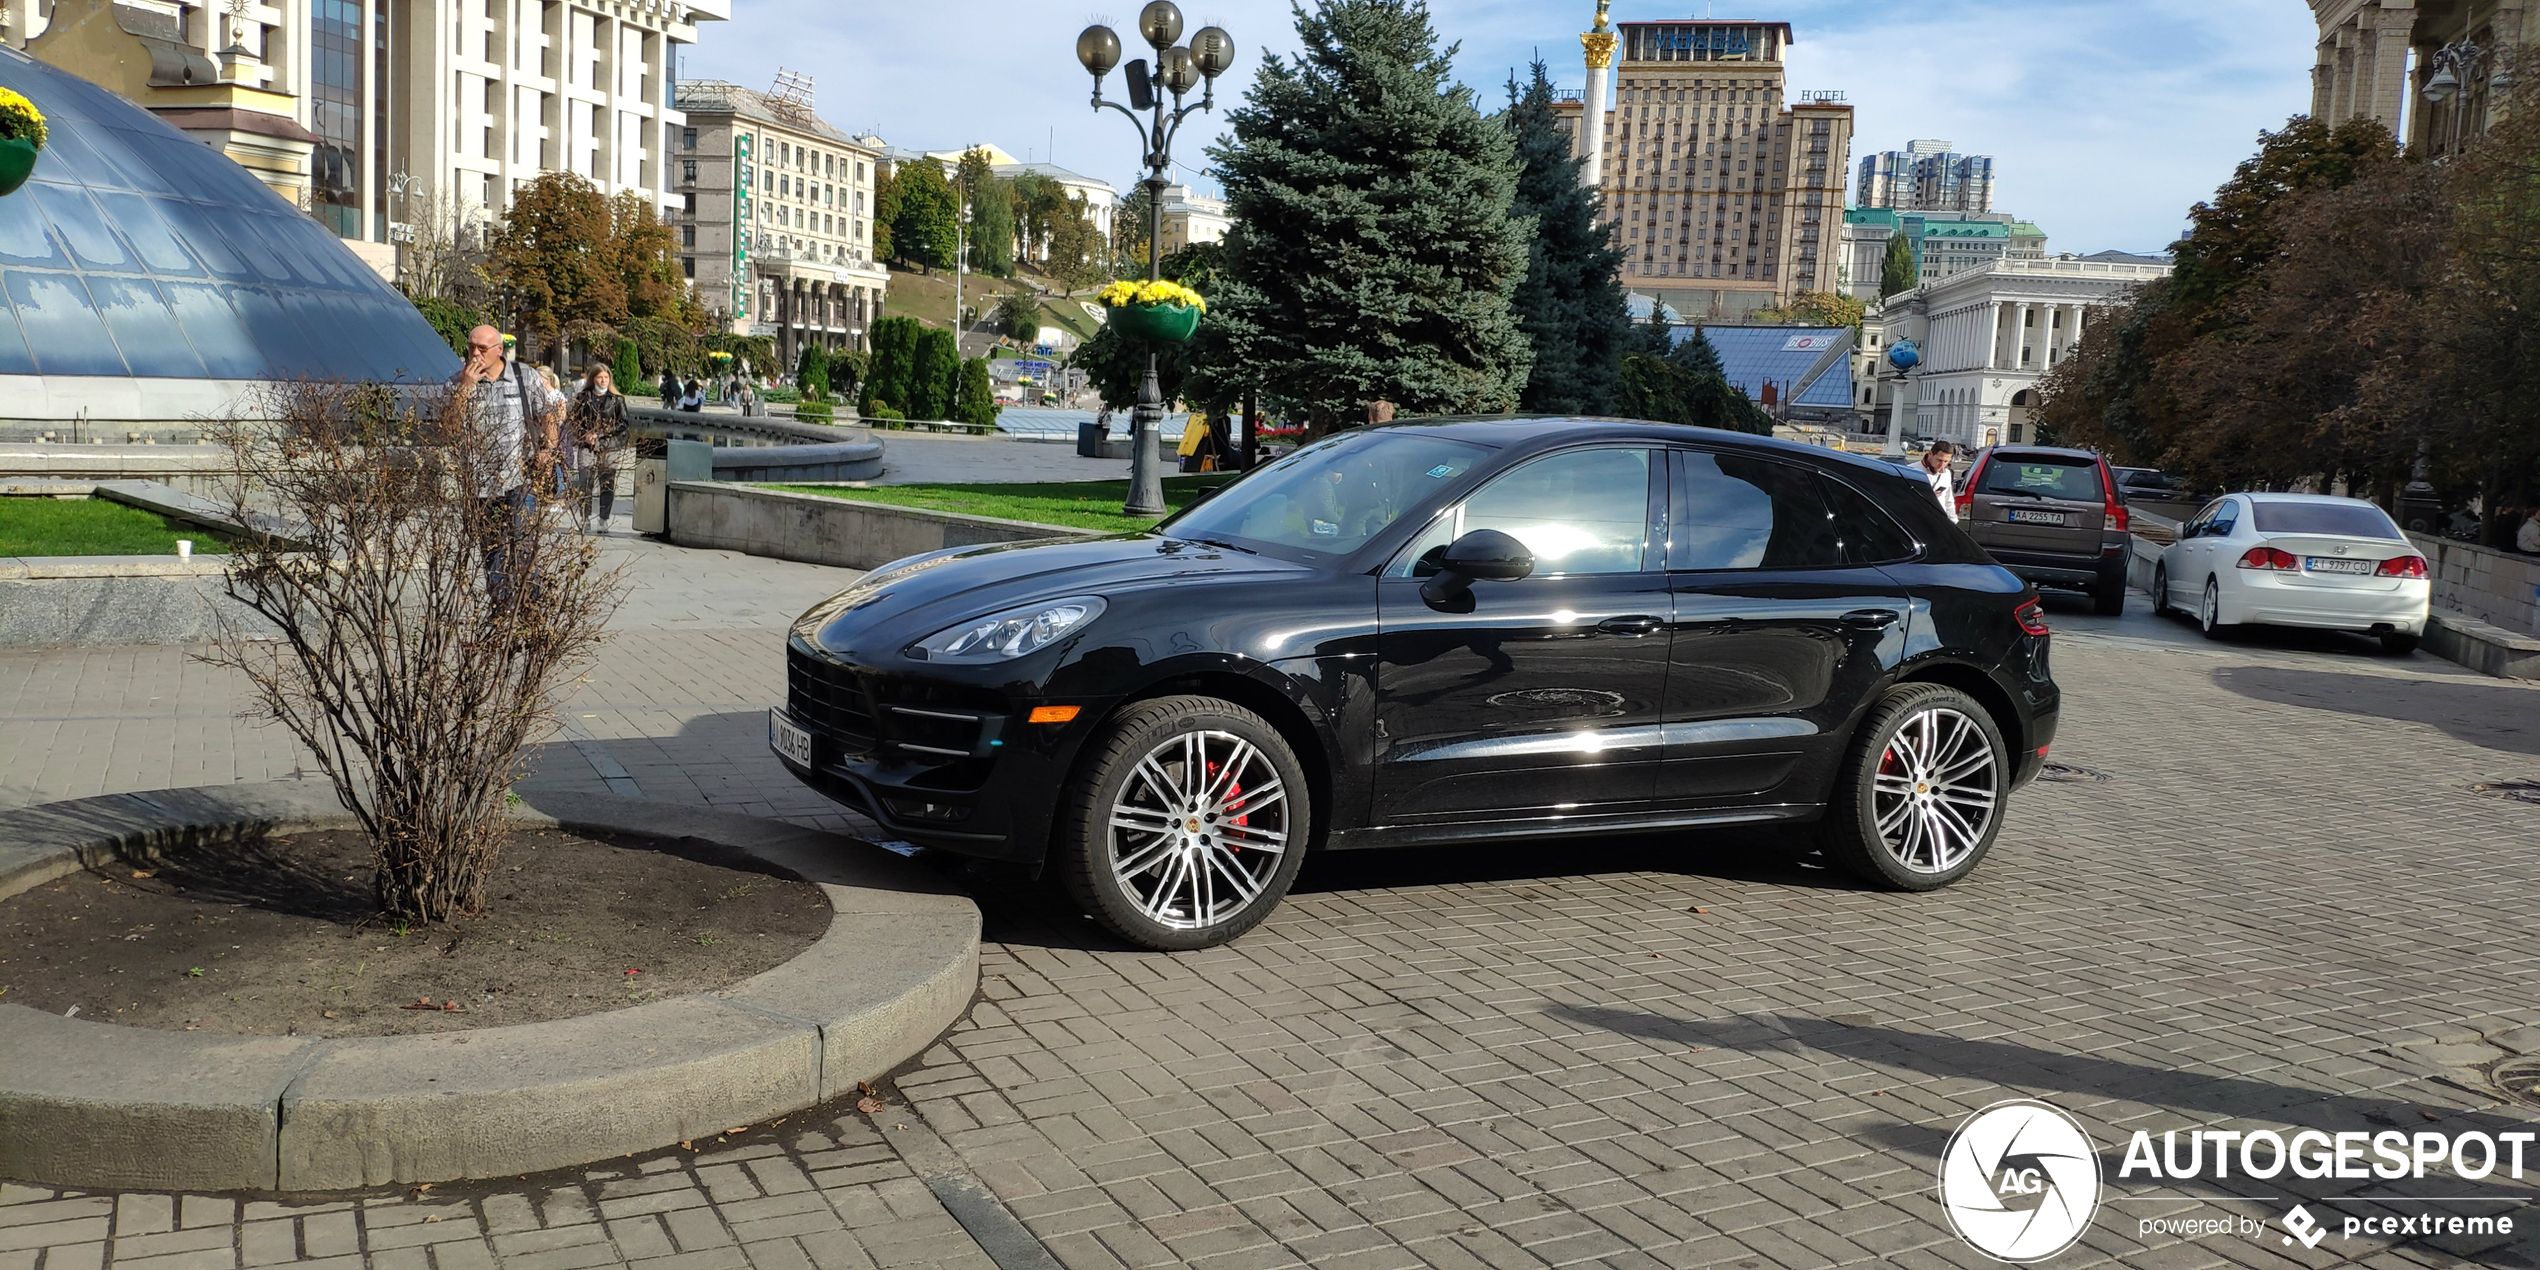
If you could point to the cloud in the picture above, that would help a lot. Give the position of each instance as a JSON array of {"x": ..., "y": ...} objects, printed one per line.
[{"x": 2106, "y": 118}]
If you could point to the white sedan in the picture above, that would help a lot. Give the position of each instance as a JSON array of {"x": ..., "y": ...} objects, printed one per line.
[{"x": 2336, "y": 564}]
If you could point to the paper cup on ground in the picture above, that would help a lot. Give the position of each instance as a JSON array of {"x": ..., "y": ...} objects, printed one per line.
[{"x": 184, "y": 548}]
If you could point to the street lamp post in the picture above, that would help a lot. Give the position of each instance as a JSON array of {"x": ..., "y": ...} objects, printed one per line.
[{"x": 1178, "y": 70}]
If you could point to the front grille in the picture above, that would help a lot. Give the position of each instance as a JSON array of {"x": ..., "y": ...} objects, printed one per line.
[{"x": 828, "y": 699}]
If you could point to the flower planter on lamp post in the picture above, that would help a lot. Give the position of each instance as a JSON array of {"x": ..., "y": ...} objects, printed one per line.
[
  {"x": 21, "y": 139},
  {"x": 1177, "y": 70}
]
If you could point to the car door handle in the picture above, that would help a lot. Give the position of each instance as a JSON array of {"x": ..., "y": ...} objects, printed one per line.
[
  {"x": 1870, "y": 619},
  {"x": 1633, "y": 626}
]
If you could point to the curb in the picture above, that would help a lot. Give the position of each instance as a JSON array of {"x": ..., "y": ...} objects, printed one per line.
[{"x": 97, "y": 1105}]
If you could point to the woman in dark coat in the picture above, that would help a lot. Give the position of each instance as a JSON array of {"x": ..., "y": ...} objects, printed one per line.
[{"x": 598, "y": 424}]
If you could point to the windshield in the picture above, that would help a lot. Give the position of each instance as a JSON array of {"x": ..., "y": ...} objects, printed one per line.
[
  {"x": 2352, "y": 520},
  {"x": 1331, "y": 497}
]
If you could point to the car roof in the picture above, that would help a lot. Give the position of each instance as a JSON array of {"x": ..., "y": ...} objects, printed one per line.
[
  {"x": 2044, "y": 451},
  {"x": 2258, "y": 496},
  {"x": 1510, "y": 431}
]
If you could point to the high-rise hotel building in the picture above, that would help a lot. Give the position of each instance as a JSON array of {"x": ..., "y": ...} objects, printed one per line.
[{"x": 1725, "y": 192}]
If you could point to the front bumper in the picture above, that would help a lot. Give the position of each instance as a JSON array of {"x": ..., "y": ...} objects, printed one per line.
[{"x": 934, "y": 762}]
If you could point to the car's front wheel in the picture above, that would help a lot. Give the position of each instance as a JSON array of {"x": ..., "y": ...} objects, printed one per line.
[
  {"x": 1186, "y": 823},
  {"x": 1919, "y": 800}
]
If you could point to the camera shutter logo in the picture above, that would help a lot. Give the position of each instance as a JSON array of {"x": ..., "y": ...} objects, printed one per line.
[{"x": 2020, "y": 1180}]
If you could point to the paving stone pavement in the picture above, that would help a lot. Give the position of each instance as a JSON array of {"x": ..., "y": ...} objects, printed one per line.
[{"x": 2284, "y": 909}]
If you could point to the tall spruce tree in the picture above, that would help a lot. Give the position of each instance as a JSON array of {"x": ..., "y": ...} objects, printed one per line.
[
  {"x": 1694, "y": 353},
  {"x": 1373, "y": 254},
  {"x": 1571, "y": 302}
]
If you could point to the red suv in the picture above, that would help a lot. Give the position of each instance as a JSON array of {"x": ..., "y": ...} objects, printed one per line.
[{"x": 2054, "y": 517}]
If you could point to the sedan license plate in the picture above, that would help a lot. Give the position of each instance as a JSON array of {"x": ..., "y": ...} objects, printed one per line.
[
  {"x": 2331, "y": 564},
  {"x": 787, "y": 739},
  {"x": 2020, "y": 516}
]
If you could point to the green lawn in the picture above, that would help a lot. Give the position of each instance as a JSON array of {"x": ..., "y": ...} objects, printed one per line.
[
  {"x": 91, "y": 527},
  {"x": 1075, "y": 504}
]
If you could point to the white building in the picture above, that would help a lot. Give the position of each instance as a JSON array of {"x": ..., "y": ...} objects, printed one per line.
[
  {"x": 775, "y": 222},
  {"x": 1191, "y": 217},
  {"x": 1986, "y": 336},
  {"x": 359, "y": 110}
]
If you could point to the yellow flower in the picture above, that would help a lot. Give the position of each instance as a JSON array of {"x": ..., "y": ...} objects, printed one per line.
[
  {"x": 1126, "y": 292},
  {"x": 19, "y": 118}
]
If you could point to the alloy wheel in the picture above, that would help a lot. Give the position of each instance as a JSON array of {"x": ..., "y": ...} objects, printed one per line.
[
  {"x": 2209, "y": 609},
  {"x": 1937, "y": 791},
  {"x": 1198, "y": 829}
]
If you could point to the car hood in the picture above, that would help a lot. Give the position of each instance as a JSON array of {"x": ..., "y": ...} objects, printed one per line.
[{"x": 913, "y": 598}]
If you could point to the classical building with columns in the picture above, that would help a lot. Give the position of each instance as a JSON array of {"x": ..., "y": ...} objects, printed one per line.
[
  {"x": 776, "y": 218},
  {"x": 359, "y": 111},
  {"x": 1725, "y": 190},
  {"x": 2376, "y": 59},
  {"x": 1986, "y": 337}
]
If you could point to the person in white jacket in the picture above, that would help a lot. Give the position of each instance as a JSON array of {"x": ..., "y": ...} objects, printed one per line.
[{"x": 1944, "y": 483}]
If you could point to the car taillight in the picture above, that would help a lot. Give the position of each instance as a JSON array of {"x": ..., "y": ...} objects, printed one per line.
[
  {"x": 2118, "y": 516},
  {"x": 2268, "y": 558},
  {"x": 2031, "y": 616},
  {"x": 1967, "y": 492},
  {"x": 2401, "y": 567}
]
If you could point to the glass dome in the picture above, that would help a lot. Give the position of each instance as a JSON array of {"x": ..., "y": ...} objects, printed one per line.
[{"x": 138, "y": 252}]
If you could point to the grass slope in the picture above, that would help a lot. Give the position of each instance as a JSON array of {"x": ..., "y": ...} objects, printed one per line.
[
  {"x": 91, "y": 527},
  {"x": 1074, "y": 504}
]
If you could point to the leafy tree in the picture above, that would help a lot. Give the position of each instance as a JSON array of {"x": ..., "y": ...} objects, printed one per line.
[
  {"x": 888, "y": 376},
  {"x": 450, "y": 320},
  {"x": 925, "y": 226},
  {"x": 1373, "y": 254},
  {"x": 1129, "y": 226},
  {"x": 846, "y": 371},
  {"x": 628, "y": 367},
  {"x": 1897, "y": 271},
  {"x": 976, "y": 401},
  {"x": 886, "y": 210},
  {"x": 1075, "y": 248},
  {"x": 934, "y": 375},
  {"x": 1814, "y": 308},
  {"x": 1019, "y": 317},
  {"x": 811, "y": 372},
  {"x": 645, "y": 251},
  {"x": 991, "y": 214},
  {"x": 1571, "y": 301},
  {"x": 552, "y": 259}
]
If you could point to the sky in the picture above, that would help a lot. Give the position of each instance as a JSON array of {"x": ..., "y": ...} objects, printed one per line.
[{"x": 2107, "y": 119}]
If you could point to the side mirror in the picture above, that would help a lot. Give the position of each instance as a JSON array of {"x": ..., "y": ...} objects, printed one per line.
[{"x": 1484, "y": 555}]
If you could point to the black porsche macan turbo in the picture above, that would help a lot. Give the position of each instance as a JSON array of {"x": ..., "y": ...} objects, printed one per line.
[{"x": 1438, "y": 631}]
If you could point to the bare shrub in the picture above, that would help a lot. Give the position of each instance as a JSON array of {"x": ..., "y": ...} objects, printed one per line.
[{"x": 427, "y": 632}]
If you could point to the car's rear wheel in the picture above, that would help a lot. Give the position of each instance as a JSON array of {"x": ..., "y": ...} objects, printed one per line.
[
  {"x": 2399, "y": 644},
  {"x": 1919, "y": 800},
  {"x": 2161, "y": 591},
  {"x": 2108, "y": 598},
  {"x": 2209, "y": 612},
  {"x": 1186, "y": 823}
]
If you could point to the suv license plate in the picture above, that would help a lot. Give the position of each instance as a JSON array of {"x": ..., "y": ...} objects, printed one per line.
[
  {"x": 786, "y": 739},
  {"x": 2021, "y": 517},
  {"x": 2331, "y": 564}
]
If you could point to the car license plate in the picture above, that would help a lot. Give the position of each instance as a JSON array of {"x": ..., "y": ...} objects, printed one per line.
[
  {"x": 2331, "y": 564},
  {"x": 786, "y": 739},
  {"x": 2024, "y": 517}
]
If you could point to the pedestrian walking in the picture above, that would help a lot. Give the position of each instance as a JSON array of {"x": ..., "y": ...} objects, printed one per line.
[
  {"x": 1944, "y": 483},
  {"x": 598, "y": 424},
  {"x": 669, "y": 391},
  {"x": 515, "y": 413}
]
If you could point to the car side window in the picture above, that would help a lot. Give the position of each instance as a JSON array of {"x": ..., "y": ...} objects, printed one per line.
[
  {"x": 1747, "y": 513},
  {"x": 2226, "y": 518},
  {"x": 1579, "y": 512},
  {"x": 1869, "y": 535}
]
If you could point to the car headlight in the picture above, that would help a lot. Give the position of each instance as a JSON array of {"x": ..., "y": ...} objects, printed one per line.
[
  {"x": 865, "y": 591},
  {"x": 1012, "y": 633}
]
